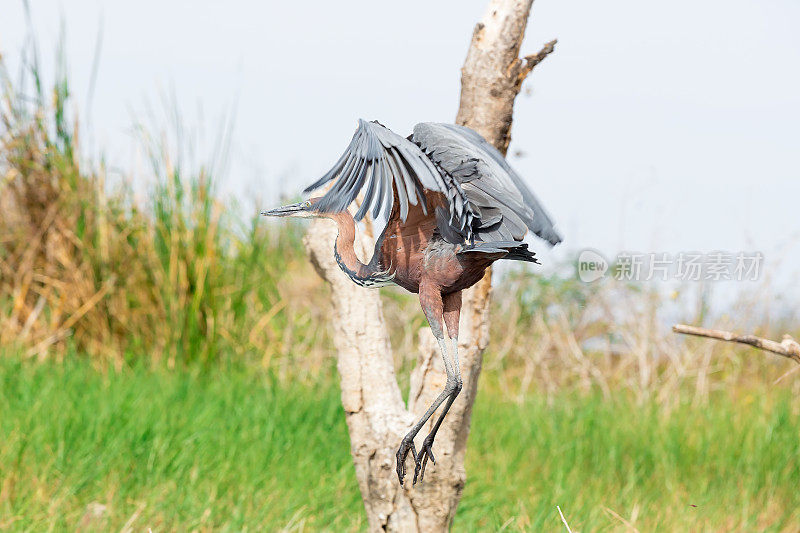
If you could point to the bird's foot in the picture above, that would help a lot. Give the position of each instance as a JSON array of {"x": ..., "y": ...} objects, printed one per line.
[
  {"x": 406, "y": 445},
  {"x": 422, "y": 458}
]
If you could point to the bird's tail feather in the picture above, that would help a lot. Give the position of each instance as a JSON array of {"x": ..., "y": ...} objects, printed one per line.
[{"x": 514, "y": 250}]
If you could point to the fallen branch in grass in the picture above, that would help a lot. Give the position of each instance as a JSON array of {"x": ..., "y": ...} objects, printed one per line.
[{"x": 788, "y": 347}]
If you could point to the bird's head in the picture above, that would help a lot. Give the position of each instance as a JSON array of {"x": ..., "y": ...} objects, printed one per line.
[{"x": 298, "y": 210}]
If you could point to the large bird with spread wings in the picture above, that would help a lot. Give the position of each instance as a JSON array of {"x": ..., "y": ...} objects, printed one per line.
[{"x": 452, "y": 206}]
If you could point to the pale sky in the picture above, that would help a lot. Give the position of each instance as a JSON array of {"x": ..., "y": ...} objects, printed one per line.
[{"x": 655, "y": 126}]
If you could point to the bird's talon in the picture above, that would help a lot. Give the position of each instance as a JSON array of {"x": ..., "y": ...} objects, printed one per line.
[
  {"x": 402, "y": 454},
  {"x": 422, "y": 459}
]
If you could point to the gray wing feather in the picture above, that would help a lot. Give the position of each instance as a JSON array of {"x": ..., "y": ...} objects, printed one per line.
[
  {"x": 487, "y": 180},
  {"x": 384, "y": 162}
]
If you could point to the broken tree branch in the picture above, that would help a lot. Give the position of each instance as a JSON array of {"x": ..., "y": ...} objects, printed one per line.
[
  {"x": 527, "y": 63},
  {"x": 789, "y": 347}
]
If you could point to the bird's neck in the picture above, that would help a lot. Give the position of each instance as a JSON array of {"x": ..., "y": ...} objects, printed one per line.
[{"x": 343, "y": 251}]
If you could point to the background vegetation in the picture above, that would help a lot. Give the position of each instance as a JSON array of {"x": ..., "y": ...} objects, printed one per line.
[{"x": 166, "y": 364}]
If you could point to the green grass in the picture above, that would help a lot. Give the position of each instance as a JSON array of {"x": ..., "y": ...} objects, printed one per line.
[
  {"x": 233, "y": 448},
  {"x": 179, "y": 450},
  {"x": 736, "y": 460}
]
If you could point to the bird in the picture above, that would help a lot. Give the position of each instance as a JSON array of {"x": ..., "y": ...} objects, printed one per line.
[{"x": 451, "y": 206}]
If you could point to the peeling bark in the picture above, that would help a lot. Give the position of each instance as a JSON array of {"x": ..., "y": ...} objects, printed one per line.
[{"x": 377, "y": 419}]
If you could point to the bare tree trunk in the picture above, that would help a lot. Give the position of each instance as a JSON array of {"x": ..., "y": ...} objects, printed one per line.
[{"x": 376, "y": 416}]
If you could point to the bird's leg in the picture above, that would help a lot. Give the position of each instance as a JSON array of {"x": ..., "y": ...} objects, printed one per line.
[
  {"x": 452, "y": 313},
  {"x": 431, "y": 300},
  {"x": 408, "y": 441},
  {"x": 427, "y": 445}
]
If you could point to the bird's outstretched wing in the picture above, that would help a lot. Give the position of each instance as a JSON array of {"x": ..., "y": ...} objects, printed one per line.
[
  {"x": 382, "y": 162},
  {"x": 487, "y": 202},
  {"x": 503, "y": 206}
]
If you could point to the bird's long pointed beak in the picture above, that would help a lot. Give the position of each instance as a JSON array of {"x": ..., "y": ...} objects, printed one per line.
[{"x": 286, "y": 210}]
